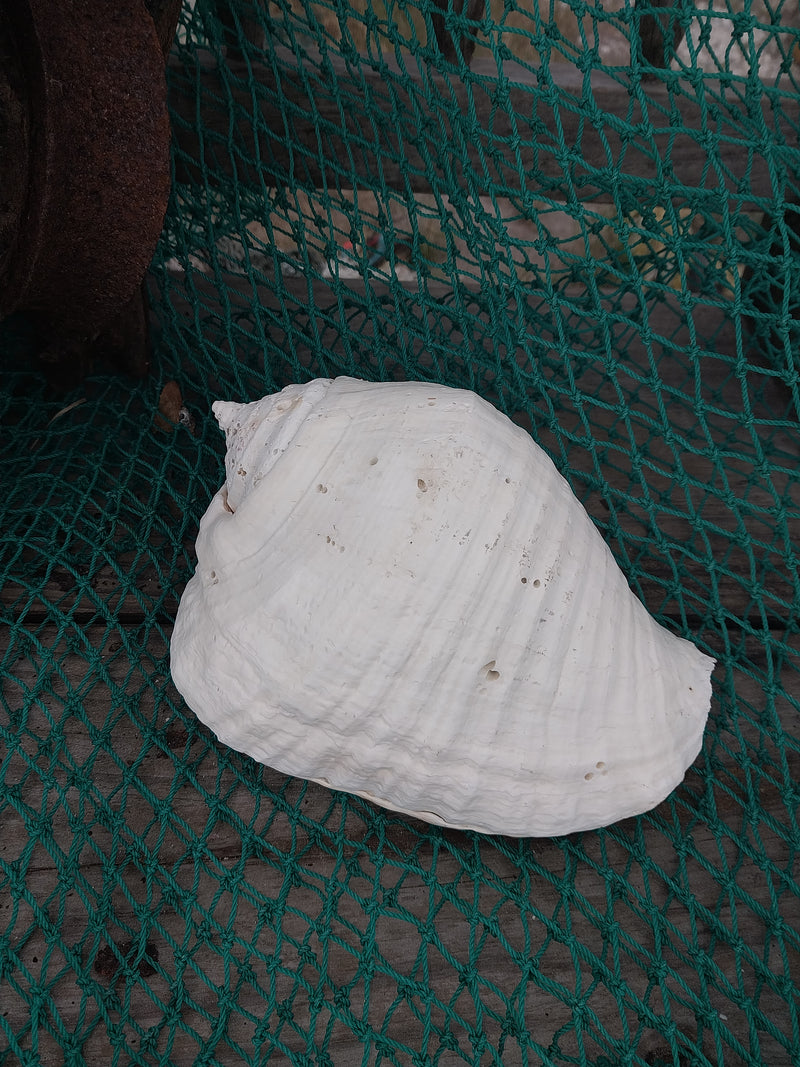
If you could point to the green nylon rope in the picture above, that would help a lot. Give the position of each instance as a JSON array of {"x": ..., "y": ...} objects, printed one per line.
[{"x": 164, "y": 900}]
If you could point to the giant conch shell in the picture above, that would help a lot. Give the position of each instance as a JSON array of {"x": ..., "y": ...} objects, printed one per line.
[{"x": 397, "y": 595}]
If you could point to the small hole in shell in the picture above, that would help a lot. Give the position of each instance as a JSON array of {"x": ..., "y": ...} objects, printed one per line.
[
  {"x": 524, "y": 581},
  {"x": 536, "y": 583},
  {"x": 422, "y": 486},
  {"x": 588, "y": 776},
  {"x": 491, "y": 673},
  {"x": 373, "y": 461},
  {"x": 600, "y": 766},
  {"x": 322, "y": 488}
]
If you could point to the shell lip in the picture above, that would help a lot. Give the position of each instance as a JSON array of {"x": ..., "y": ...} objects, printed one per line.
[
  {"x": 282, "y": 415},
  {"x": 225, "y": 412}
]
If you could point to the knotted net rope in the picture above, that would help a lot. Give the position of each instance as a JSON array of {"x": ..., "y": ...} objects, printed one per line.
[{"x": 587, "y": 212}]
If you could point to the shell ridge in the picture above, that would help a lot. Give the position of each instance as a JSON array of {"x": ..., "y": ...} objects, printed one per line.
[
  {"x": 259, "y": 433},
  {"x": 371, "y": 617}
]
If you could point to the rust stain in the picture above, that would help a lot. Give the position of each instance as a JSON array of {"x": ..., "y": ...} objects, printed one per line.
[{"x": 87, "y": 151}]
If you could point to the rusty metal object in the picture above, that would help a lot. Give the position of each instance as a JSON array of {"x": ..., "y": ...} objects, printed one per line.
[
  {"x": 84, "y": 144},
  {"x": 452, "y": 43},
  {"x": 660, "y": 32},
  {"x": 165, "y": 15}
]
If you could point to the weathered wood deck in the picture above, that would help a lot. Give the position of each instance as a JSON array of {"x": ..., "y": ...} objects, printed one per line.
[
  {"x": 160, "y": 892},
  {"x": 184, "y": 881},
  {"x": 186, "y": 884}
]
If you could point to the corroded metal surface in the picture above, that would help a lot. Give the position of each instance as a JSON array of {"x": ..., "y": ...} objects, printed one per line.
[{"x": 84, "y": 132}]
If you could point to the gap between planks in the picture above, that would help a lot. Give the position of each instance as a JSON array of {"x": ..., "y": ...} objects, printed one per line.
[
  {"x": 152, "y": 836},
  {"x": 680, "y": 540},
  {"x": 525, "y": 132}
]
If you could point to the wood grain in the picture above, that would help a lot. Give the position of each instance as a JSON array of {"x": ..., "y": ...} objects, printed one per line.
[
  {"x": 161, "y": 891},
  {"x": 516, "y": 128},
  {"x": 165, "y": 863},
  {"x": 644, "y": 454}
]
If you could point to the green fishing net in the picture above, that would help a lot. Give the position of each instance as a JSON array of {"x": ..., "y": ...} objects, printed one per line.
[{"x": 587, "y": 212}]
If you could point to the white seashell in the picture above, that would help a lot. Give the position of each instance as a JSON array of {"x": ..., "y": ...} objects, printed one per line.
[{"x": 398, "y": 595}]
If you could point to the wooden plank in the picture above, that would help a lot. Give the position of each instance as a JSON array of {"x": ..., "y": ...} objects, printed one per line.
[
  {"x": 656, "y": 445},
  {"x": 154, "y": 882},
  {"x": 522, "y": 128}
]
